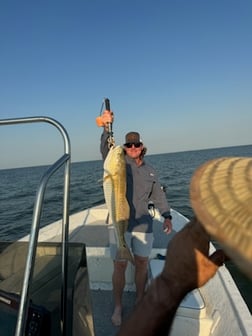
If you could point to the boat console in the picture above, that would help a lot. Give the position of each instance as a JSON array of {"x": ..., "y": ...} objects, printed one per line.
[{"x": 44, "y": 316}]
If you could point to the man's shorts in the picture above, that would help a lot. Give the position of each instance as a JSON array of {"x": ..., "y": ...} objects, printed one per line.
[{"x": 140, "y": 243}]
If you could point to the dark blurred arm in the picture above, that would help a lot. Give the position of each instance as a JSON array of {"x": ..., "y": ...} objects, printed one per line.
[{"x": 187, "y": 267}]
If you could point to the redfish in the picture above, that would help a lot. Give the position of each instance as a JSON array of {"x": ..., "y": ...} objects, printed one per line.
[{"x": 114, "y": 186}]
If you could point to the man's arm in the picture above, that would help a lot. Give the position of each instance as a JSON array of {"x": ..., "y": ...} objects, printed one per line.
[
  {"x": 187, "y": 267},
  {"x": 159, "y": 199},
  {"x": 103, "y": 121},
  {"x": 104, "y": 148}
]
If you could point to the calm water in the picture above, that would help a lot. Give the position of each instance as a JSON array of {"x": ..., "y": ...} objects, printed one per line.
[{"x": 18, "y": 189}]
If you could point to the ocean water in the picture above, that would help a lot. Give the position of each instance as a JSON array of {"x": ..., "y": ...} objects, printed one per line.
[{"x": 18, "y": 190}]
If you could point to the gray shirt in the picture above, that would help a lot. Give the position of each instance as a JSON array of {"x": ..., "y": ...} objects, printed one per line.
[{"x": 143, "y": 186}]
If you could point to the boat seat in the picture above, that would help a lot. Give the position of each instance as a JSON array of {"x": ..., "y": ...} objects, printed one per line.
[{"x": 193, "y": 304}]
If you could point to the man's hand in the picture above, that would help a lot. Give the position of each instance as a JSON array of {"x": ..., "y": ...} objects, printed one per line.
[
  {"x": 167, "y": 226},
  {"x": 187, "y": 261},
  {"x": 106, "y": 118}
]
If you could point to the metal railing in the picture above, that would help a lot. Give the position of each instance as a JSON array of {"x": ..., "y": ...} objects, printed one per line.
[{"x": 65, "y": 159}]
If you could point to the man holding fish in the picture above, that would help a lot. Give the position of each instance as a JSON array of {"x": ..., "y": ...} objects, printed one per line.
[{"x": 129, "y": 185}]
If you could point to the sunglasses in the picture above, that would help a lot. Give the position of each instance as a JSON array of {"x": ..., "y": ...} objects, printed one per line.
[{"x": 135, "y": 144}]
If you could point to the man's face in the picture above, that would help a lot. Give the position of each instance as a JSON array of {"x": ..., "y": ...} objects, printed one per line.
[{"x": 133, "y": 150}]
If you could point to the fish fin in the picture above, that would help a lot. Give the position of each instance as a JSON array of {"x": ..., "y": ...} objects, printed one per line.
[{"x": 124, "y": 253}]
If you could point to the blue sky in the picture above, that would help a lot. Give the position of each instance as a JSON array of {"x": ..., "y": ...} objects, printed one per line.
[{"x": 179, "y": 72}]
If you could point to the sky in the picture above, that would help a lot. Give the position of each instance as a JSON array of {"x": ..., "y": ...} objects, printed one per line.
[{"x": 179, "y": 72}]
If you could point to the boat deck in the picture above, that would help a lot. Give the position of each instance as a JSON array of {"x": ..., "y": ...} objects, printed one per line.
[
  {"x": 102, "y": 300},
  {"x": 102, "y": 308}
]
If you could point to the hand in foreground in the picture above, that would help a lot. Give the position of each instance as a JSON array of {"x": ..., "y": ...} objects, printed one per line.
[
  {"x": 106, "y": 118},
  {"x": 187, "y": 260},
  {"x": 187, "y": 266}
]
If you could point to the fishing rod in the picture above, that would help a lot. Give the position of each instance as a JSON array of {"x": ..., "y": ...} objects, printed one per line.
[
  {"x": 107, "y": 107},
  {"x": 107, "y": 104}
]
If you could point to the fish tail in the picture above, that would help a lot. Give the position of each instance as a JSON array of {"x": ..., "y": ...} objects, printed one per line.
[{"x": 124, "y": 253}]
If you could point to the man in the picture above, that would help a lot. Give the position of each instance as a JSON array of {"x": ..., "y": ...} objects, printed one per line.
[{"x": 142, "y": 186}]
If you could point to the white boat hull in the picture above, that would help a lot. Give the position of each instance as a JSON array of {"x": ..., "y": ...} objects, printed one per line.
[{"x": 215, "y": 309}]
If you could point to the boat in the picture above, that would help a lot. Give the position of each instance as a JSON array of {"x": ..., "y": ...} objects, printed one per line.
[{"x": 57, "y": 279}]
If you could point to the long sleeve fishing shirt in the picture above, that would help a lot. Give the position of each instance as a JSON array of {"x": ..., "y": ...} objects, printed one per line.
[{"x": 143, "y": 186}]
